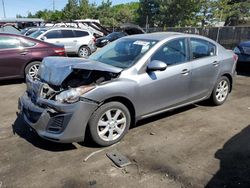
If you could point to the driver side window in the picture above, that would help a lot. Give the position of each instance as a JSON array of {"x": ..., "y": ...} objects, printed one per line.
[{"x": 173, "y": 52}]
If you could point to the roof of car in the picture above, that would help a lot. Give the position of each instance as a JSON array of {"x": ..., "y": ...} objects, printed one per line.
[{"x": 154, "y": 36}]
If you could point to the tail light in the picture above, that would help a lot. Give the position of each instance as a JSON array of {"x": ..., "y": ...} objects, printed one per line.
[
  {"x": 94, "y": 39},
  {"x": 235, "y": 58},
  {"x": 60, "y": 51}
]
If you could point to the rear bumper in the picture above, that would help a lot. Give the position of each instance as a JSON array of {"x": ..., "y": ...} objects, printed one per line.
[{"x": 57, "y": 122}]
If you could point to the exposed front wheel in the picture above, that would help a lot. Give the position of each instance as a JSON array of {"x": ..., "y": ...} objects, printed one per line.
[
  {"x": 32, "y": 69},
  {"x": 109, "y": 123},
  {"x": 83, "y": 51},
  {"x": 221, "y": 91}
]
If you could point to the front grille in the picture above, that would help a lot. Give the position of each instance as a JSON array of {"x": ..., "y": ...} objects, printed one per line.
[{"x": 56, "y": 125}]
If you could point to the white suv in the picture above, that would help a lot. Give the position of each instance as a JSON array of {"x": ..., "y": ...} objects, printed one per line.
[{"x": 75, "y": 41}]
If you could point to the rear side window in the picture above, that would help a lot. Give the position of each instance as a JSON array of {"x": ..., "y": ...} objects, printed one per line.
[
  {"x": 81, "y": 33},
  {"x": 54, "y": 34},
  {"x": 67, "y": 33},
  {"x": 202, "y": 48},
  {"x": 27, "y": 43},
  {"x": 9, "y": 42},
  {"x": 173, "y": 52}
]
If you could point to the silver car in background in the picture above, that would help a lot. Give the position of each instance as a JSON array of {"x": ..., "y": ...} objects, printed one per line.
[
  {"x": 130, "y": 79},
  {"x": 75, "y": 41}
]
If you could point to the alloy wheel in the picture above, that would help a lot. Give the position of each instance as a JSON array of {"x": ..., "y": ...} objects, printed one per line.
[
  {"x": 111, "y": 125},
  {"x": 33, "y": 71},
  {"x": 222, "y": 90}
]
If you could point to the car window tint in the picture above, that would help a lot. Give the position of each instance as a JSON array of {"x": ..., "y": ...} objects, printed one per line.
[
  {"x": 173, "y": 52},
  {"x": 67, "y": 33},
  {"x": 202, "y": 48},
  {"x": 9, "y": 42},
  {"x": 81, "y": 33},
  {"x": 54, "y": 34}
]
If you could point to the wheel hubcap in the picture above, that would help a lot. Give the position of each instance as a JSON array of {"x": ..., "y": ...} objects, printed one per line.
[
  {"x": 83, "y": 52},
  {"x": 33, "y": 70},
  {"x": 222, "y": 91},
  {"x": 111, "y": 125}
]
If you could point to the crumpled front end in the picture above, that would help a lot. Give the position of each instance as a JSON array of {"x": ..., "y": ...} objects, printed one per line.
[
  {"x": 53, "y": 120},
  {"x": 54, "y": 104}
]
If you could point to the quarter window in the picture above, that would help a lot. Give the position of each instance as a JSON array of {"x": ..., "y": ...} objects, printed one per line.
[
  {"x": 173, "y": 52},
  {"x": 81, "y": 33},
  {"x": 54, "y": 34},
  {"x": 202, "y": 48},
  {"x": 9, "y": 42}
]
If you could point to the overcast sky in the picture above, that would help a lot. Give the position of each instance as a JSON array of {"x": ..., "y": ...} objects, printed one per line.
[{"x": 14, "y": 7}]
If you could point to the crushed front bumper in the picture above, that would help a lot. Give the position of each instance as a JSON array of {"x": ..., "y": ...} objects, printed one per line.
[{"x": 57, "y": 122}]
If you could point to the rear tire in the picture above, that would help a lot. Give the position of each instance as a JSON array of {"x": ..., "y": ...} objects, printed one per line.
[
  {"x": 32, "y": 69},
  {"x": 84, "y": 51},
  {"x": 221, "y": 91},
  {"x": 109, "y": 123}
]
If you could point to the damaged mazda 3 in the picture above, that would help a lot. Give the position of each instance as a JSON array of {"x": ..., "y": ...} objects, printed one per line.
[{"x": 132, "y": 78}]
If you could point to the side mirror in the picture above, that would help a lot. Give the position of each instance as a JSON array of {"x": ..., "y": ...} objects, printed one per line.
[
  {"x": 156, "y": 65},
  {"x": 43, "y": 38}
]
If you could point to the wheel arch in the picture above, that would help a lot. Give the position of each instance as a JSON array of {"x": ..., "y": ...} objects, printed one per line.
[
  {"x": 31, "y": 61},
  {"x": 125, "y": 101},
  {"x": 230, "y": 78}
]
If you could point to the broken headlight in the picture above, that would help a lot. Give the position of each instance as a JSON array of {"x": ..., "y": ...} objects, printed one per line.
[{"x": 72, "y": 95}]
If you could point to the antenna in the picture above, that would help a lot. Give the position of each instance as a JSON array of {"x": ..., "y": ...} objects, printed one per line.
[
  {"x": 54, "y": 5},
  {"x": 4, "y": 13}
]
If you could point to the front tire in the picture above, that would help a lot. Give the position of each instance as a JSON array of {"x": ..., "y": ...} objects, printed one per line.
[
  {"x": 221, "y": 91},
  {"x": 109, "y": 123}
]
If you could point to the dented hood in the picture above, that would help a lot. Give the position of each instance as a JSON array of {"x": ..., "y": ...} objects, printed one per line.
[{"x": 54, "y": 70}]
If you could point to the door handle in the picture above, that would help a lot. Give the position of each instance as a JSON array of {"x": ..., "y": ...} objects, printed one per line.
[
  {"x": 215, "y": 63},
  {"x": 24, "y": 52},
  {"x": 74, "y": 40},
  {"x": 185, "y": 72},
  {"x": 57, "y": 41}
]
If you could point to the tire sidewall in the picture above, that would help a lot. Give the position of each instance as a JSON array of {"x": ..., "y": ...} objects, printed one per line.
[
  {"x": 214, "y": 99},
  {"x": 97, "y": 115}
]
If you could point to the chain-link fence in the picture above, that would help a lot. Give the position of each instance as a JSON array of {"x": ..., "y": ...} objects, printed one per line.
[{"x": 228, "y": 37}]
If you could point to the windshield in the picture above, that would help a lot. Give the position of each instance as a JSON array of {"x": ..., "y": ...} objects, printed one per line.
[
  {"x": 124, "y": 52},
  {"x": 37, "y": 33}
]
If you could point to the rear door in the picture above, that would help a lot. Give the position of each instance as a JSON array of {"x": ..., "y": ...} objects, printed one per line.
[
  {"x": 205, "y": 67},
  {"x": 69, "y": 40},
  {"x": 13, "y": 56}
]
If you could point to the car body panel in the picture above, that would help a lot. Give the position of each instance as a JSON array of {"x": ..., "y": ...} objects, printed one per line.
[{"x": 149, "y": 92}]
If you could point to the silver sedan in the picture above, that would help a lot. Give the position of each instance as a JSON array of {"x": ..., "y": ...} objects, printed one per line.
[{"x": 130, "y": 79}]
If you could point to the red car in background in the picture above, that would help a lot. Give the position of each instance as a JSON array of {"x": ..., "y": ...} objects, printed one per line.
[{"x": 20, "y": 55}]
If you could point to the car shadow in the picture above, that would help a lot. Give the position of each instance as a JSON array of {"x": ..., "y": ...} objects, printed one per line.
[
  {"x": 11, "y": 82},
  {"x": 234, "y": 162},
  {"x": 20, "y": 128}
]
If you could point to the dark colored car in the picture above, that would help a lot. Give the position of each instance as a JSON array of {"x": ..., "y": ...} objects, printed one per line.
[
  {"x": 20, "y": 55},
  {"x": 243, "y": 52},
  {"x": 29, "y": 30},
  {"x": 102, "y": 41}
]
